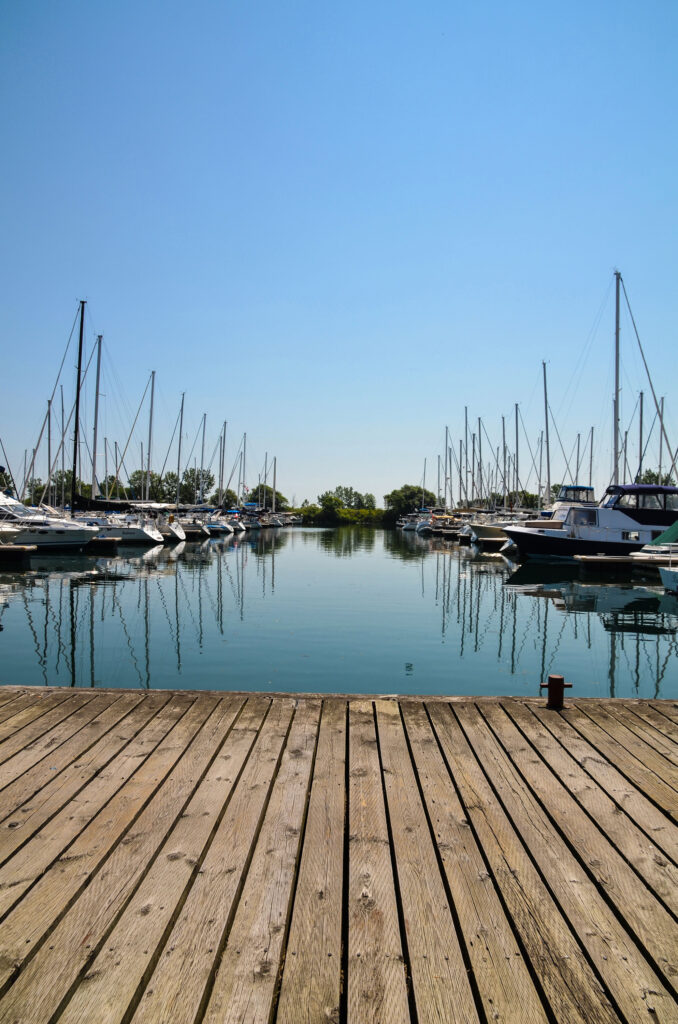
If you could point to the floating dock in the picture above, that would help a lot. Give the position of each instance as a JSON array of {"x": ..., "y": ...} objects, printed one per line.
[{"x": 194, "y": 858}]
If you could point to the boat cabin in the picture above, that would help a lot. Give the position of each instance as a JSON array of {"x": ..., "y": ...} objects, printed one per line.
[{"x": 579, "y": 493}]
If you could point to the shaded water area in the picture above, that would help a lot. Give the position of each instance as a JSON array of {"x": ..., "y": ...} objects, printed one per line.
[{"x": 345, "y": 611}]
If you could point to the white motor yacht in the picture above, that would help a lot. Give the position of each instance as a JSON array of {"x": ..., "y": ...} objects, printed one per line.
[
  {"x": 48, "y": 531},
  {"x": 628, "y": 517},
  {"x": 129, "y": 528}
]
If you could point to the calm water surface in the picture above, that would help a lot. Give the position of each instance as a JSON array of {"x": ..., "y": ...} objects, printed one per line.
[{"x": 344, "y": 610}]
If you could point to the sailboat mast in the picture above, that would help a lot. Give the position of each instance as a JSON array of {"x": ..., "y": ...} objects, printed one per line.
[
  {"x": 150, "y": 439},
  {"x": 221, "y": 462},
  {"x": 615, "y": 415},
  {"x": 480, "y": 459},
  {"x": 640, "y": 443},
  {"x": 77, "y": 408},
  {"x": 63, "y": 451},
  {"x": 96, "y": 420},
  {"x": 515, "y": 461},
  {"x": 466, "y": 452},
  {"x": 548, "y": 448},
  {"x": 661, "y": 437},
  {"x": 244, "y": 459},
  {"x": 49, "y": 451},
  {"x": 181, "y": 430},
  {"x": 275, "y": 468},
  {"x": 503, "y": 444},
  {"x": 202, "y": 458}
]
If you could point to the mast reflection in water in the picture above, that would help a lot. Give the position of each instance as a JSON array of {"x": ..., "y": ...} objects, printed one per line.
[{"x": 347, "y": 610}]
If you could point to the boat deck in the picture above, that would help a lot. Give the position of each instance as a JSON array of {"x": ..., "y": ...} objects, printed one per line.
[{"x": 202, "y": 857}]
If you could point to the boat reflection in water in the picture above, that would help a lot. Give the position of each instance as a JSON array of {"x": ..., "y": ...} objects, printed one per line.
[
  {"x": 347, "y": 610},
  {"x": 635, "y": 615}
]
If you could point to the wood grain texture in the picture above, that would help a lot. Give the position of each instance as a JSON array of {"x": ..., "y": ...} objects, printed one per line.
[
  {"x": 377, "y": 983},
  {"x": 310, "y": 992},
  {"x": 442, "y": 991},
  {"x": 210, "y": 858}
]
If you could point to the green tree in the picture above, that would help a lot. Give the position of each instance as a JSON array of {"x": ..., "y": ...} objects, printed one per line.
[
  {"x": 351, "y": 498},
  {"x": 137, "y": 486},
  {"x": 190, "y": 485},
  {"x": 230, "y": 498},
  {"x": 263, "y": 494},
  {"x": 651, "y": 476},
  {"x": 61, "y": 484},
  {"x": 404, "y": 500},
  {"x": 330, "y": 505}
]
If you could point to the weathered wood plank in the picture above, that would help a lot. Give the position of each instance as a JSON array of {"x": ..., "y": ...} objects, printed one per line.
[
  {"x": 116, "y": 974},
  {"x": 647, "y": 859},
  {"x": 657, "y": 741},
  {"x": 40, "y": 776},
  {"x": 179, "y": 986},
  {"x": 24, "y": 728},
  {"x": 14, "y": 703},
  {"x": 377, "y": 984},
  {"x": 571, "y": 988},
  {"x": 646, "y": 815},
  {"x": 502, "y": 976},
  {"x": 662, "y": 723},
  {"x": 80, "y": 929},
  {"x": 168, "y": 770},
  {"x": 643, "y": 751},
  {"x": 112, "y": 760},
  {"x": 617, "y": 959},
  {"x": 646, "y": 781},
  {"x": 48, "y": 745},
  {"x": 55, "y": 839},
  {"x": 245, "y": 981},
  {"x": 655, "y": 929},
  {"x": 439, "y": 973},
  {"x": 311, "y": 983}
]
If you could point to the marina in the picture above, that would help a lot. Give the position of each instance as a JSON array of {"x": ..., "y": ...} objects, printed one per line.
[
  {"x": 343, "y": 610},
  {"x": 206, "y": 857}
]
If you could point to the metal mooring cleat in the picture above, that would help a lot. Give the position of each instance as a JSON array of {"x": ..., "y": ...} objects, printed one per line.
[{"x": 556, "y": 687}]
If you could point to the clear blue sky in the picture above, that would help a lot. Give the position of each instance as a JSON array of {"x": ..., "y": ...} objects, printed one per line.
[{"x": 335, "y": 225}]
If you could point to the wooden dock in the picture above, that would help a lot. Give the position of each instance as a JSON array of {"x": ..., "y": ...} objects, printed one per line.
[{"x": 194, "y": 858}]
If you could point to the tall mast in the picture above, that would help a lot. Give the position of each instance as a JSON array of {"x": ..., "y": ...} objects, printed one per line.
[
  {"x": 640, "y": 443},
  {"x": 615, "y": 416},
  {"x": 515, "y": 461},
  {"x": 503, "y": 443},
  {"x": 473, "y": 467},
  {"x": 423, "y": 485},
  {"x": 150, "y": 439},
  {"x": 244, "y": 459},
  {"x": 181, "y": 429},
  {"x": 591, "y": 461},
  {"x": 480, "y": 459},
  {"x": 548, "y": 449},
  {"x": 661, "y": 437},
  {"x": 95, "y": 488},
  {"x": 202, "y": 457},
  {"x": 49, "y": 451},
  {"x": 578, "y": 444},
  {"x": 460, "y": 474},
  {"x": 63, "y": 451},
  {"x": 275, "y": 468},
  {"x": 77, "y": 407},
  {"x": 541, "y": 456},
  {"x": 221, "y": 462},
  {"x": 265, "y": 475},
  {"x": 466, "y": 452}
]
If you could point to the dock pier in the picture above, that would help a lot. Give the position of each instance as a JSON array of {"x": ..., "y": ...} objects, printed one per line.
[{"x": 185, "y": 857}]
